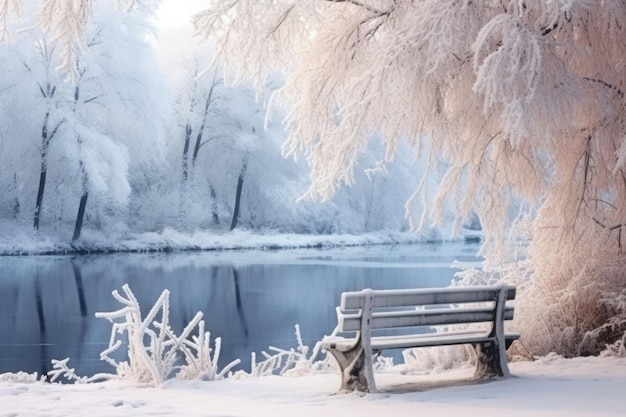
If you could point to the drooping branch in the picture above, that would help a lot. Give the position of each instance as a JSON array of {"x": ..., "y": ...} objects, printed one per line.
[
  {"x": 7, "y": 8},
  {"x": 605, "y": 84},
  {"x": 64, "y": 20},
  {"x": 586, "y": 157},
  {"x": 364, "y": 6}
]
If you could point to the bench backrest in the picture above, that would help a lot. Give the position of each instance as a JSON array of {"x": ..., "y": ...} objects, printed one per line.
[{"x": 423, "y": 307}]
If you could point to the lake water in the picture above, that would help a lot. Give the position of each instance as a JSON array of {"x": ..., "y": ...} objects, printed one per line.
[{"x": 251, "y": 299}]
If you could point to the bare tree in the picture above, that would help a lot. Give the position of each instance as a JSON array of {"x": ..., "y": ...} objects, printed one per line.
[{"x": 240, "y": 179}]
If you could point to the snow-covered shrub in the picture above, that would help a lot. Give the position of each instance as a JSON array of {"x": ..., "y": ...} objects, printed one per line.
[
  {"x": 584, "y": 311},
  {"x": 424, "y": 360},
  {"x": 22, "y": 377},
  {"x": 616, "y": 349},
  {"x": 382, "y": 363},
  {"x": 200, "y": 364},
  {"x": 583, "y": 302},
  {"x": 292, "y": 362},
  {"x": 154, "y": 351},
  {"x": 152, "y": 363}
]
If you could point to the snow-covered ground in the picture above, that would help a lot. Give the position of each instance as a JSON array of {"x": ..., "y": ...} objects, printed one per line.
[{"x": 547, "y": 387}]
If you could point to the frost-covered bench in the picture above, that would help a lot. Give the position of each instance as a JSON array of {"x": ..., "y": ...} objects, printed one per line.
[{"x": 411, "y": 314}]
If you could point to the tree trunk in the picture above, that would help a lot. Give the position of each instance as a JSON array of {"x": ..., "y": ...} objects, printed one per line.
[
  {"x": 205, "y": 116},
  {"x": 46, "y": 137},
  {"x": 78, "y": 226},
  {"x": 45, "y": 143},
  {"x": 16, "y": 201},
  {"x": 216, "y": 218},
  {"x": 80, "y": 216},
  {"x": 186, "y": 152},
  {"x": 196, "y": 148},
  {"x": 40, "y": 191},
  {"x": 242, "y": 174}
]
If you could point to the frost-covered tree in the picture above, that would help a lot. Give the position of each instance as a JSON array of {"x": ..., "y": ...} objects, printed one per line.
[
  {"x": 220, "y": 137},
  {"x": 33, "y": 97},
  {"x": 49, "y": 126},
  {"x": 89, "y": 124},
  {"x": 197, "y": 107},
  {"x": 524, "y": 99},
  {"x": 219, "y": 130},
  {"x": 131, "y": 109}
]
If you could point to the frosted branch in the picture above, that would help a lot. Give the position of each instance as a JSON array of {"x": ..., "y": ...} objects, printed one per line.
[
  {"x": 155, "y": 361},
  {"x": 8, "y": 8}
]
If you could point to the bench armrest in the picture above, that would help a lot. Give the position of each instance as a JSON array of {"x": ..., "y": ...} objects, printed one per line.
[{"x": 340, "y": 343}]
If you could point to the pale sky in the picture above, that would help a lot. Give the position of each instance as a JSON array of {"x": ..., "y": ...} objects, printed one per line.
[
  {"x": 175, "y": 39},
  {"x": 177, "y": 13}
]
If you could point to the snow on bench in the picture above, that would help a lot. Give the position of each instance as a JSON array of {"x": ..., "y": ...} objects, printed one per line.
[{"x": 368, "y": 315}]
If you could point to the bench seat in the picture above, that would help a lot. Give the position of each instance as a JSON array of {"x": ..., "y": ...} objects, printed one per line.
[{"x": 416, "y": 340}]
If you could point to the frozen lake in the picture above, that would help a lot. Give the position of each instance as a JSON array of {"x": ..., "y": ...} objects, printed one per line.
[{"x": 251, "y": 299}]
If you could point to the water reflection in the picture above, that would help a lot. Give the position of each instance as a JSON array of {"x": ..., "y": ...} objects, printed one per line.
[{"x": 250, "y": 299}]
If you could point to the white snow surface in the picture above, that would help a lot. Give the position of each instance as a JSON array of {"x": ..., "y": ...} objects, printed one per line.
[{"x": 550, "y": 386}]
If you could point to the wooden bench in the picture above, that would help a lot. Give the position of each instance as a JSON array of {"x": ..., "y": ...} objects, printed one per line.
[{"x": 412, "y": 314}]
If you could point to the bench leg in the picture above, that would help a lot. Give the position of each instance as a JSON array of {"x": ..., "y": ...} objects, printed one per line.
[
  {"x": 490, "y": 360},
  {"x": 354, "y": 370}
]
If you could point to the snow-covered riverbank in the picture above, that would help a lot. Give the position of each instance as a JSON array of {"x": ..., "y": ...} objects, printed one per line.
[{"x": 16, "y": 242}]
